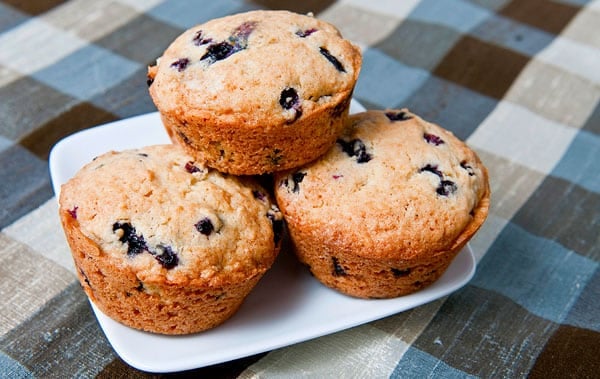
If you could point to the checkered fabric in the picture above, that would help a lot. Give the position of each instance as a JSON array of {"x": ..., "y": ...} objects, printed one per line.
[{"x": 518, "y": 80}]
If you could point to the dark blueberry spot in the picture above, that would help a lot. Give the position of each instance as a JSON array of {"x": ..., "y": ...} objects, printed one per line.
[
  {"x": 305, "y": 33},
  {"x": 149, "y": 81},
  {"x": 168, "y": 258},
  {"x": 338, "y": 270},
  {"x": 140, "y": 287},
  {"x": 467, "y": 167},
  {"x": 218, "y": 296},
  {"x": 398, "y": 116},
  {"x": 73, "y": 212},
  {"x": 240, "y": 35},
  {"x": 289, "y": 99},
  {"x": 275, "y": 157},
  {"x": 297, "y": 178},
  {"x": 433, "y": 139},
  {"x": 135, "y": 243},
  {"x": 258, "y": 195},
  {"x": 85, "y": 278},
  {"x": 205, "y": 226},
  {"x": 417, "y": 284},
  {"x": 400, "y": 273},
  {"x": 336, "y": 177},
  {"x": 446, "y": 188},
  {"x": 191, "y": 168},
  {"x": 277, "y": 226},
  {"x": 180, "y": 64},
  {"x": 185, "y": 139},
  {"x": 199, "y": 39},
  {"x": 334, "y": 61},
  {"x": 237, "y": 41},
  {"x": 433, "y": 169},
  {"x": 143, "y": 155},
  {"x": 355, "y": 148},
  {"x": 218, "y": 51}
]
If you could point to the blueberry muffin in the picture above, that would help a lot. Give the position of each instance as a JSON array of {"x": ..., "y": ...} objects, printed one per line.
[
  {"x": 256, "y": 92},
  {"x": 163, "y": 244},
  {"x": 386, "y": 210}
]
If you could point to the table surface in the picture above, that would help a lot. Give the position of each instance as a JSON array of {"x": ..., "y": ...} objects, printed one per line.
[{"x": 518, "y": 80}]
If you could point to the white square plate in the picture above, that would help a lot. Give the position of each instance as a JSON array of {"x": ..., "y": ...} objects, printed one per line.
[{"x": 287, "y": 306}]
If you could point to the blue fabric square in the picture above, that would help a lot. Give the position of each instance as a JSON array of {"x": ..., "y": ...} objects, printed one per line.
[
  {"x": 401, "y": 80},
  {"x": 184, "y": 13},
  {"x": 580, "y": 162},
  {"x": 584, "y": 312},
  {"x": 513, "y": 35},
  {"x": 10, "y": 17},
  {"x": 25, "y": 183},
  {"x": 415, "y": 363},
  {"x": 128, "y": 98},
  {"x": 536, "y": 273},
  {"x": 10, "y": 368},
  {"x": 451, "y": 106},
  {"x": 74, "y": 75},
  {"x": 419, "y": 44},
  {"x": 4, "y": 143},
  {"x": 459, "y": 15}
]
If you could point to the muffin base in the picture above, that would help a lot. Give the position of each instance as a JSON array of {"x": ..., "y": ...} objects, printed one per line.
[
  {"x": 163, "y": 308},
  {"x": 374, "y": 279},
  {"x": 359, "y": 276},
  {"x": 240, "y": 149}
]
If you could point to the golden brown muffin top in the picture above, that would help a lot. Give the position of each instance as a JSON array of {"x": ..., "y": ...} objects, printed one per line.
[
  {"x": 394, "y": 186},
  {"x": 255, "y": 66},
  {"x": 154, "y": 210}
]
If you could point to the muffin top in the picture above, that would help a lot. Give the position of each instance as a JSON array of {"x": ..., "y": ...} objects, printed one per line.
[
  {"x": 394, "y": 186},
  {"x": 255, "y": 67},
  {"x": 157, "y": 212}
]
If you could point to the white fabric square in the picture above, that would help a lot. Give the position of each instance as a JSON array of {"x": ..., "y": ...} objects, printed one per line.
[
  {"x": 519, "y": 135},
  {"x": 572, "y": 56},
  {"x": 360, "y": 25},
  {"x": 90, "y": 20},
  {"x": 555, "y": 93},
  {"x": 395, "y": 8},
  {"x": 141, "y": 5},
  {"x": 41, "y": 231},
  {"x": 38, "y": 39},
  {"x": 361, "y": 352},
  {"x": 7, "y": 76},
  {"x": 579, "y": 28}
]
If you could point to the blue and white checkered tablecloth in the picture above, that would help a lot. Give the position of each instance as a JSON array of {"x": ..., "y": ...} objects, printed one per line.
[{"x": 518, "y": 80}]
